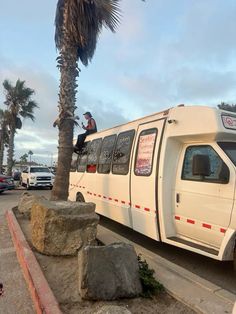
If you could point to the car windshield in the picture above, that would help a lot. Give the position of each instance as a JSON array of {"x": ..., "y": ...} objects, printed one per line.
[
  {"x": 35, "y": 169},
  {"x": 230, "y": 149}
]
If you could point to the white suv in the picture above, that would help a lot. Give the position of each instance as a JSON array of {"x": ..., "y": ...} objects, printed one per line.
[{"x": 37, "y": 176}]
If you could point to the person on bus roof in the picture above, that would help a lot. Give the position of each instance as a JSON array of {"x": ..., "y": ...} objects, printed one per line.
[{"x": 89, "y": 129}]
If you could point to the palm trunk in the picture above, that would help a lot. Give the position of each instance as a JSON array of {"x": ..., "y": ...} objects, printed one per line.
[
  {"x": 1, "y": 148},
  {"x": 69, "y": 73},
  {"x": 10, "y": 151}
]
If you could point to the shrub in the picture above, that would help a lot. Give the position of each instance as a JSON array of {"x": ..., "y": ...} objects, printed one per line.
[{"x": 150, "y": 285}]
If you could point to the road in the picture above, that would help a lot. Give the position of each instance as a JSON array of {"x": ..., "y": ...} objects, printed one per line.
[{"x": 220, "y": 273}]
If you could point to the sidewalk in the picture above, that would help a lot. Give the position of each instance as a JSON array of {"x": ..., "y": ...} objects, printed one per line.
[{"x": 16, "y": 298}]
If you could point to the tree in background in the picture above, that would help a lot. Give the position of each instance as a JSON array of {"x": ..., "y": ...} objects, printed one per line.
[
  {"x": 78, "y": 26},
  {"x": 4, "y": 135},
  {"x": 23, "y": 159},
  {"x": 19, "y": 105},
  {"x": 228, "y": 107},
  {"x": 30, "y": 154}
]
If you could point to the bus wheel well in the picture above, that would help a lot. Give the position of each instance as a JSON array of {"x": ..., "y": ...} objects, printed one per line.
[{"x": 80, "y": 197}]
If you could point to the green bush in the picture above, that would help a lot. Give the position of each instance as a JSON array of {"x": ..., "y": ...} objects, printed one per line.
[{"x": 150, "y": 285}]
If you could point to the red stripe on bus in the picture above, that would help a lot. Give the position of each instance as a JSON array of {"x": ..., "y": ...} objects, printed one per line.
[
  {"x": 222, "y": 230},
  {"x": 137, "y": 206},
  {"x": 147, "y": 209},
  {"x": 206, "y": 226},
  {"x": 177, "y": 217},
  {"x": 190, "y": 221}
]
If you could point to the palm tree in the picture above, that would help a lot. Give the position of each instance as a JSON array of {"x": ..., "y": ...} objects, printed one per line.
[
  {"x": 19, "y": 105},
  {"x": 4, "y": 136},
  {"x": 30, "y": 154},
  {"x": 78, "y": 25},
  {"x": 23, "y": 159}
]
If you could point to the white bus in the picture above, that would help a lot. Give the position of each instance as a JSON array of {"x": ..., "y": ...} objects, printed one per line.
[{"x": 170, "y": 176}]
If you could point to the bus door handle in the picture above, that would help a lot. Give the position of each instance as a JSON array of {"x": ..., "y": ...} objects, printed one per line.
[{"x": 177, "y": 198}]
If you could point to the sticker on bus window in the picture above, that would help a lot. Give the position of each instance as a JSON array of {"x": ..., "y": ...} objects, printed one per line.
[
  {"x": 143, "y": 166},
  {"x": 229, "y": 122}
]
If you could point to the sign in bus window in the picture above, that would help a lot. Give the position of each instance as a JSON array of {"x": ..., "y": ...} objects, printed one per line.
[{"x": 145, "y": 151}]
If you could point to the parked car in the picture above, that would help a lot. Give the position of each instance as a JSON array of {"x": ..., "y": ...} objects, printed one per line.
[
  {"x": 3, "y": 187},
  {"x": 37, "y": 176},
  {"x": 6, "y": 182}
]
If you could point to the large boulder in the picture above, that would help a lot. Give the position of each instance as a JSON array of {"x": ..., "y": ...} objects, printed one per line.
[
  {"x": 62, "y": 228},
  {"x": 26, "y": 202},
  {"x": 108, "y": 272}
]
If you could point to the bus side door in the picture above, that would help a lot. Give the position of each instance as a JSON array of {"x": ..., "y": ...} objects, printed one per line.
[{"x": 144, "y": 178}]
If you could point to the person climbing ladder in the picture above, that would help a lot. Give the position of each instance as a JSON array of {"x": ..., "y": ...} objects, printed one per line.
[{"x": 90, "y": 129}]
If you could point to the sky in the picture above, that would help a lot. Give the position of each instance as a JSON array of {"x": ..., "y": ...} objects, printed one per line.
[{"x": 164, "y": 53}]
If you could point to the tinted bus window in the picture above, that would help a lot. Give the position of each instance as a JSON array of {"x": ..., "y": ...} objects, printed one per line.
[
  {"x": 144, "y": 153},
  {"x": 83, "y": 157},
  {"x": 105, "y": 157},
  {"x": 94, "y": 150},
  {"x": 121, "y": 156}
]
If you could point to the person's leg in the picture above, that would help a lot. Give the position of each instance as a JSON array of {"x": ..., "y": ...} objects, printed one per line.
[{"x": 80, "y": 141}]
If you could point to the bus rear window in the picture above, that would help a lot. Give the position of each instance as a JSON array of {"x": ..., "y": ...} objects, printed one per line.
[
  {"x": 230, "y": 149},
  {"x": 121, "y": 156}
]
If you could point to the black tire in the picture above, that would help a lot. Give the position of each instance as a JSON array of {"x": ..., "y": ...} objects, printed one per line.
[
  {"x": 28, "y": 187},
  {"x": 50, "y": 188},
  {"x": 80, "y": 198},
  {"x": 234, "y": 261}
]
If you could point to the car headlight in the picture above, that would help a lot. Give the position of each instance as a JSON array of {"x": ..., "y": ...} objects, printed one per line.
[{"x": 32, "y": 177}]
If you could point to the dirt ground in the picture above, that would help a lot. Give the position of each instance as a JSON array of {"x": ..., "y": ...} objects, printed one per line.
[{"x": 61, "y": 274}]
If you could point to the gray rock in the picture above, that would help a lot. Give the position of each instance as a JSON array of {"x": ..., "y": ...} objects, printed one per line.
[
  {"x": 113, "y": 309},
  {"x": 26, "y": 202},
  {"x": 62, "y": 228},
  {"x": 108, "y": 272}
]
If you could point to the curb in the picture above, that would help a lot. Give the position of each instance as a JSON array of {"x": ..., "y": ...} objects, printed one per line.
[
  {"x": 41, "y": 294},
  {"x": 197, "y": 293}
]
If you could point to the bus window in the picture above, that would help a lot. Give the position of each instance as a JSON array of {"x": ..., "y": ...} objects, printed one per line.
[
  {"x": 121, "y": 156},
  {"x": 217, "y": 165},
  {"x": 74, "y": 162},
  {"x": 105, "y": 157},
  {"x": 94, "y": 150},
  {"x": 83, "y": 157},
  {"x": 144, "y": 153}
]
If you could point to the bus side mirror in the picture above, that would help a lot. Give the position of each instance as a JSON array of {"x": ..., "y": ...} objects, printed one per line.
[
  {"x": 201, "y": 165},
  {"x": 224, "y": 174}
]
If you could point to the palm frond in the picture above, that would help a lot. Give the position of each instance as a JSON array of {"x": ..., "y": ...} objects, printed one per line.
[{"x": 79, "y": 23}]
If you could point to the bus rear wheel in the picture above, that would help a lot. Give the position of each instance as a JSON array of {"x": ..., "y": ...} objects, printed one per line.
[{"x": 80, "y": 198}]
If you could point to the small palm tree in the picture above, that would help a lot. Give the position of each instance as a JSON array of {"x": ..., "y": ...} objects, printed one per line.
[
  {"x": 4, "y": 136},
  {"x": 23, "y": 159},
  {"x": 78, "y": 25},
  {"x": 19, "y": 105},
  {"x": 30, "y": 154}
]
